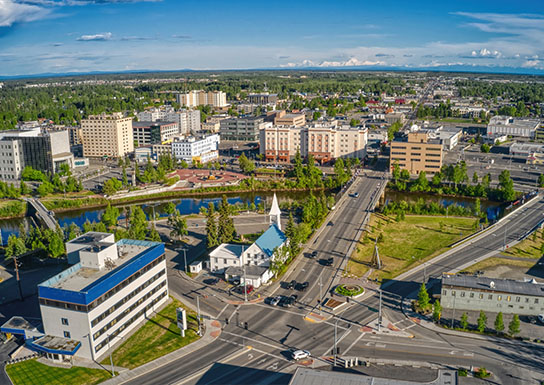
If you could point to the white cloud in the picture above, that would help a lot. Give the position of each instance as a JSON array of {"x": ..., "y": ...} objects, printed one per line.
[
  {"x": 532, "y": 64},
  {"x": 484, "y": 52},
  {"x": 98, "y": 37},
  {"x": 12, "y": 12}
]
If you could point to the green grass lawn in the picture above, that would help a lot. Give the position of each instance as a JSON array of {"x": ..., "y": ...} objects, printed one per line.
[
  {"x": 496, "y": 261},
  {"x": 157, "y": 337},
  {"x": 405, "y": 243},
  {"x": 528, "y": 248},
  {"x": 32, "y": 372}
]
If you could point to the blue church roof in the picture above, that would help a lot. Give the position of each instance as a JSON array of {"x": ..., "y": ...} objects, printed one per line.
[{"x": 270, "y": 239}]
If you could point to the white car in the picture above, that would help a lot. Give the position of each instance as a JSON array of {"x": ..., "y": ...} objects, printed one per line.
[
  {"x": 541, "y": 318},
  {"x": 300, "y": 354}
]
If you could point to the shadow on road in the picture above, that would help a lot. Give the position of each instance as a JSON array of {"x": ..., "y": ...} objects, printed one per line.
[{"x": 225, "y": 374}]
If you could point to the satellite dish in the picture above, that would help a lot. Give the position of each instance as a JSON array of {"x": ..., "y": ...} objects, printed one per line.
[{"x": 492, "y": 284}]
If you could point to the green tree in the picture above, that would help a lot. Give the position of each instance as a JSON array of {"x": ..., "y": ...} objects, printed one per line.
[
  {"x": 292, "y": 236},
  {"x": 540, "y": 180},
  {"x": 15, "y": 247},
  {"x": 464, "y": 321},
  {"x": 405, "y": 175},
  {"x": 179, "y": 226},
  {"x": 246, "y": 165},
  {"x": 55, "y": 247},
  {"x": 211, "y": 227},
  {"x": 437, "y": 311},
  {"x": 499, "y": 323},
  {"x": 477, "y": 207},
  {"x": 482, "y": 322},
  {"x": 514, "y": 325},
  {"x": 45, "y": 189},
  {"x": 24, "y": 189},
  {"x": 506, "y": 185},
  {"x": 485, "y": 148},
  {"x": 110, "y": 216},
  {"x": 475, "y": 178},
  {"x": 170, "y": 208},
  {"x": 154, "y": 234},
  {"x": 423, "y": 297},
  {"x": 138, "y": 223},
  {"x": 225, "y": 225}
]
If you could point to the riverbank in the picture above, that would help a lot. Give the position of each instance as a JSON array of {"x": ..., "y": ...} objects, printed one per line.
[
  {"x": 12, "y": 208},
  {"x": 64, "y": 205}
]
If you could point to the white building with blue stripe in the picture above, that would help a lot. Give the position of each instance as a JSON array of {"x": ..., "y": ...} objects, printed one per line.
[{"x": 109, "y": 291}]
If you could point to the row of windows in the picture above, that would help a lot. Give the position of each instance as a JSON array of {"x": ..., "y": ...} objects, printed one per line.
[
  {"x": 127, "y": 298},
  {"x": 130, "y": 321},
  {"x": 128, "y": 310},
  {"x": 83, "y": 308},
  {"x": 499, "y": 297}
]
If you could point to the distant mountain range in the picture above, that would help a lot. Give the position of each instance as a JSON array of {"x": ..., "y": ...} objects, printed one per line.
[{"x": 452, "y": 69}]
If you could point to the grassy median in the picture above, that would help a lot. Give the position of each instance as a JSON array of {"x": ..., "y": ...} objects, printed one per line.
[
  {"x": 157, "y": 337},
  {"x": 528, "y": 248},
  {"x": 32, "y": 372},
  {"x": 407, "y": 242}
]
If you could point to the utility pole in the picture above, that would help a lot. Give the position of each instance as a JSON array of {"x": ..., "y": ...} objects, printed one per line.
[
  {"x": 198, "y": 312},
  {"x": 16, "y": 262},
  {"x": 111, "y": 358},
  {"x": 380, "y": 312},
  {"x": 335, "y": 333},
  {"x": 320, "y": 291},
  {"x": 185, "y": 258}
]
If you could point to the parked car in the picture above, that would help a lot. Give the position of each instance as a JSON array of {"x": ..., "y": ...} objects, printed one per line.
[
  {"x": 302, "y": 286},
  {"x": 300, "y": 354},
  {"x": 245, "y": 289},
  {"x": 541, "y": 318},
  {"x": 313, "y": 254}
]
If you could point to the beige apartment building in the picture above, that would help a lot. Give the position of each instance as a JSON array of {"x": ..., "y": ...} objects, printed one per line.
[
  {"x": 201, "y": 98},
  {"x": 107, "y": 135},
  {"x": 325, "y": 141},
  {"x": 284, "y": 119},
  {"x": 417, "y": 153}
]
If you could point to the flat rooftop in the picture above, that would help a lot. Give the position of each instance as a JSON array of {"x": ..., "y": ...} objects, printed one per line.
[
  {"x": 80, "y": 278},
  {"x": 90, "y": 237},
  {"x": 57, "y": 344},
  {"x": 509, "y": 286}
]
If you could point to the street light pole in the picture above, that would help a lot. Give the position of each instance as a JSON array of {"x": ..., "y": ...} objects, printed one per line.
[
  {"x": 380, "y": 312},
  {"x": 16, "y": 262},
  {"x": 335, "y": 333},
  {"x": 320, "y": 292},
  {"x": 198, "y": 312},
  {"x": 185, "y": 258}
]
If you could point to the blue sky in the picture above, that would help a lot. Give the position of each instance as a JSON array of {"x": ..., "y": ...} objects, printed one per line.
[{"x": 59, "y": 36}]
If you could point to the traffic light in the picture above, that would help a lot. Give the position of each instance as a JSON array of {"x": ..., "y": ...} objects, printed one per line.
[{"x": 245, "y": 325}]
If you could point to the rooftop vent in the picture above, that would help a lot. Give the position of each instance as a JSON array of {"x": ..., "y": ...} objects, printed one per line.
[{"x": 492, "y": 284}]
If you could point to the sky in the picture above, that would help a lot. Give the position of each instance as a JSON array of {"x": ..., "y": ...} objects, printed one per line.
[{"x": 64, "y": 36}]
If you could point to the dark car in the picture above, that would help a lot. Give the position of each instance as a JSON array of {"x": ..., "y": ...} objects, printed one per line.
[
  {"x": 284, "y": 302},
  {"x": 245, "y": 289},
  {"x": 302, "y": 286},
  {"x": 328, "y": 261},
  {"x": 291, "y": 285},
  {"x": 313, "y": 254}
]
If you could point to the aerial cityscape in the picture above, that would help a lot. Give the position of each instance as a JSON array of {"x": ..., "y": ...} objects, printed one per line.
[{"x": 302, "y": 193}]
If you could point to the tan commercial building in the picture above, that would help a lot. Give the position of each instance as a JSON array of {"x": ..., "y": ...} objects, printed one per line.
[
  {"x": 284, "y": 119},
  {"x": 325, "y": 141},
  {"x": 107, "y": 135},
  {"x": 202, "y": 98},
  {"x": 416, "y": 153}
]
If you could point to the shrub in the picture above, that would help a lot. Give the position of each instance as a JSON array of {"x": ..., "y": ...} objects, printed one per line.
[{"x": 346, "y": 292}]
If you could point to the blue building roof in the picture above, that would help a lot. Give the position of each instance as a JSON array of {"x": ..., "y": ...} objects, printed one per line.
[{"x": 270, "y": 239}]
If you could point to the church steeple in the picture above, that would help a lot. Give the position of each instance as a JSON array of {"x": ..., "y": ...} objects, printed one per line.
[{"x": 275, "y": 212}]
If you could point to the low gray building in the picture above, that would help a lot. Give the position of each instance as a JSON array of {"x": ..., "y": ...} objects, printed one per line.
[
  {"x": 465, "y": 292},
  {"x": 244, "y": 129}
]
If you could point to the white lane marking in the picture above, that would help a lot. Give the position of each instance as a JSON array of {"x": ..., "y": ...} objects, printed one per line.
[
  {"x": 222, "y": 310},
  {"x": 354, "y": 342},
  {"x": 274, "y": 366}
]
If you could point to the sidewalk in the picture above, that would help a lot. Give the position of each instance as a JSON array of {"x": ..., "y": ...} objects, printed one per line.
[{"x": 212, "y": 331}]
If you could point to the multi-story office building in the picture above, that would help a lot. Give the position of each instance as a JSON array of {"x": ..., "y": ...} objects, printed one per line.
[
  {"x": 325, "y": 141},
  {"x": 263, "y": 99},
  {"x": 244, "y": 129},
  {"x": 539, "y": 133},
  {"x": 111, "y": 289},
  {"x": 284, "y": 119},
  {"x": 417, "y": 152},
  {"x": 196, "y": 150},
  {"x": 507, "y": 125},
  {"x": 42, "y": 150},
  {"x": 464, "y": 292},
  {"x": 11, "y": 160},
  {"x": 107, "y": 135},
  {"x": 146, "y": 133},
  {"x": 202, "y": 98},
  {"x": 188, "y": 120}
]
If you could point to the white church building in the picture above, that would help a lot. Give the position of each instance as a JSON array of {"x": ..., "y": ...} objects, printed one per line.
[{"x": 251, "y": 263}]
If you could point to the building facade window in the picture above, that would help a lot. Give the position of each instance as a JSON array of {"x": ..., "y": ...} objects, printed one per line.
[
  {"x": 64, "y": 321},
  {"x": 66, "y": 334}
]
